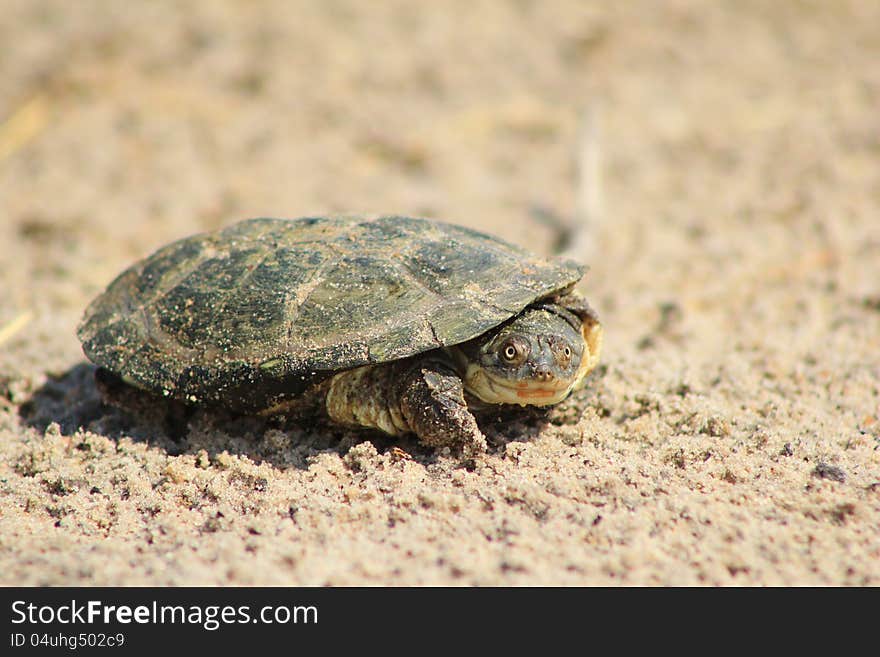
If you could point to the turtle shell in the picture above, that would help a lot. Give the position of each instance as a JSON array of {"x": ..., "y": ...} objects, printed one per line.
[{"x": 259, "y": 311}]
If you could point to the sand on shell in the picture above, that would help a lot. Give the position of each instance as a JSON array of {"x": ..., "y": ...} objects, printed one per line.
[{"x": 732, "y": 434}]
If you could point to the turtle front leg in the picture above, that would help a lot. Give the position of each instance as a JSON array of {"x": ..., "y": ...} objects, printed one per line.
[
  {"x": 430, "y": 395},
  {"x": 424, "y": 396}
]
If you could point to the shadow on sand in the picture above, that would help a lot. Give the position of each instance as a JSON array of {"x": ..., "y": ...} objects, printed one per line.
[{"x": 74, "y": 402}]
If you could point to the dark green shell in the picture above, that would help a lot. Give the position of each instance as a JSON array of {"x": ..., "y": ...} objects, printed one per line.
[{"x": 257, "y": 312}]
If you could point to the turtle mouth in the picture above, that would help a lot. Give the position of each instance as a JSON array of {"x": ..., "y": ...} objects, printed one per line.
[{"x": 493, "y": 389}]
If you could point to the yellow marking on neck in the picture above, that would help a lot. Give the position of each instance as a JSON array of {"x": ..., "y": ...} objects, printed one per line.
[{"x": 593, "y": 337}]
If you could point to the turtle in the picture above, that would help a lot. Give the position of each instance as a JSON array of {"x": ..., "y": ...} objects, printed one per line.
[{"x": 395, "y": 323}]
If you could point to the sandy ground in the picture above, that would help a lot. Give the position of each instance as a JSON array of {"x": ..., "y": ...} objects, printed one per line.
[{"x": 732, "y": 434}]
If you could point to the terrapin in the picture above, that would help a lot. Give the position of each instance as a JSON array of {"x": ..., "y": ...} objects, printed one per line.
[{"x": 392, "y": 323}]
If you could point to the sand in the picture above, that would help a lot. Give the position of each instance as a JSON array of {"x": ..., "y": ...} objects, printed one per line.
[{"x": 731, "y": 435}]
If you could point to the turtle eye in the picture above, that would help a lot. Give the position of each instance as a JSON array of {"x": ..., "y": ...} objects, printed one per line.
[
  {"x": 511, "y": 352},
  {"x": 563, "y": 355}
]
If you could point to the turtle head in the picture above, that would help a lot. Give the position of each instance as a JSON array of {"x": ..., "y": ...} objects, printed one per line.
[{"x": 536, "y": 358}]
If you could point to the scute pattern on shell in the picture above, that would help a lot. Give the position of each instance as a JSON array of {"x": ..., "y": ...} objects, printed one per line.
[{"x": 263, "y": 309}]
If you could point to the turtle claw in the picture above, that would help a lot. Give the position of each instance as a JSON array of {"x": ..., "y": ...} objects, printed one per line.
[{"x": 431, "y": 398}]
